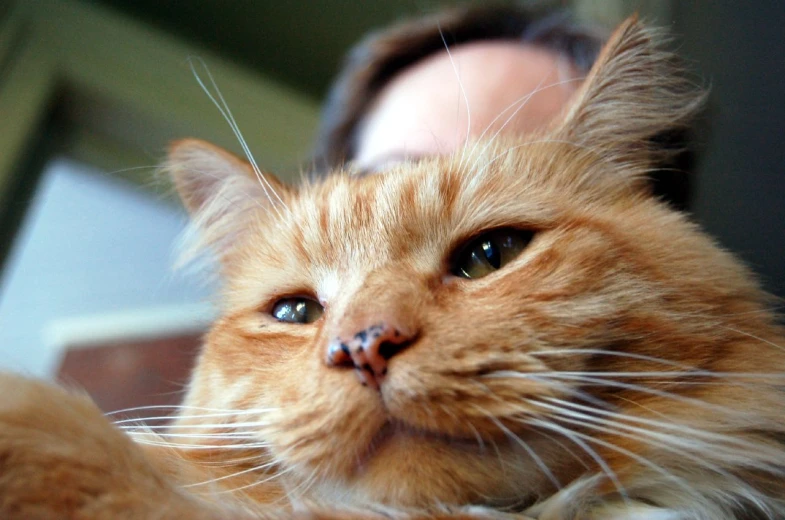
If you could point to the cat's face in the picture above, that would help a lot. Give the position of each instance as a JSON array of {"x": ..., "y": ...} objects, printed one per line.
[
  {"x": 452, "y": 411},
  {"x": 413, "y": 337}
]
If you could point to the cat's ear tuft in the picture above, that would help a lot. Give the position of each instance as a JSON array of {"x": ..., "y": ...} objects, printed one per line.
[
  {"x": 220, "y": 191},
  {"x": 635, "y": 91}
]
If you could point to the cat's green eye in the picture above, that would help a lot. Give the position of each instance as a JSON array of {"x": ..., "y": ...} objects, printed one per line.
[
  {"x": 297, "y": 310},
  {"x": 489, "y": 252}
]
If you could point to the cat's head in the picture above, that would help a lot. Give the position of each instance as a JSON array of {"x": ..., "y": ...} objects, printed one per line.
[{"x": 418, "y": 336}]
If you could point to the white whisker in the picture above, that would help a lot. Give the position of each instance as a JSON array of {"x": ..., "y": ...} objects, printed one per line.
[
  {"x": 521, "y": 103},
  {"x": 635, "y": 456},
  {"x": 253, "y": 469},
  {"x": 232, "y": 425},
  {"x": 615, "y": 353},
  {"x": 460, "y": 84},
  {"x": 256, "y": 483},
  {"x": 713, "y": 440},
  {"x": 176, "y": 407},
  {"x": 562, "y": 445},
  {"x": 749, "y": 335},
  {"x": 598, "y": 381},
  {"x": 663, "y": 441},
  {"x": 226, "y": 435},
  {"x": 223, "y": 108},
  {"x": 665, "y": 376},
  {"x": 577, "y": 439},
  {"x": 536, "y": 458},
  {"x": 201, "y": 447}
]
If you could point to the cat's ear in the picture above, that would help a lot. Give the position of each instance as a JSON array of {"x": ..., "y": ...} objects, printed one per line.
[
  {"x": 200, "y": 171},
  {"x": 635, "y": 91},
  {"x": 220, "y": 191}
]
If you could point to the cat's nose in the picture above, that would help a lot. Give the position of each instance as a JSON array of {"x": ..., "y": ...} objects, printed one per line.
[{"x": 369, "y": 351}]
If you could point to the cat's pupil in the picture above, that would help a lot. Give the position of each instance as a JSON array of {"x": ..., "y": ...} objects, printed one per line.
[
  {"x": 297, "y": 310},
  {"x": 490, "y": 252}
]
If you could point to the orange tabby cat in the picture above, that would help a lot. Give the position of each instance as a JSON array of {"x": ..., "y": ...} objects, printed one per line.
[{"x": 520, "y": 328}]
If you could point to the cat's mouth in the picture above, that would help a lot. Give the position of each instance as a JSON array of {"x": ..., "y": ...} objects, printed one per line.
[{"x": 398, "y": 432}]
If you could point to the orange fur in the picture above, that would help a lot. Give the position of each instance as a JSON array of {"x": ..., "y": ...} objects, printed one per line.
[{"x": 623, "y": 366}]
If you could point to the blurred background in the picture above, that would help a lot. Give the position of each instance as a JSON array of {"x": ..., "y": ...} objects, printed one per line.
[{"x": 91, "y": 92}]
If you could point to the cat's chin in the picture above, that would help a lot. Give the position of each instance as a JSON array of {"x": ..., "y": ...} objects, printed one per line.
[
  {"x": 405, "y": 466},
  {"x": 399, "y": 435}
]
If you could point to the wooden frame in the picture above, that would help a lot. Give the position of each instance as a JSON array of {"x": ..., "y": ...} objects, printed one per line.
[{"x": 80, "y": 80}]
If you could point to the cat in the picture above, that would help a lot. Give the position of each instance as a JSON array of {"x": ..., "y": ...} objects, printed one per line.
[{"x": 519, "y": 330}]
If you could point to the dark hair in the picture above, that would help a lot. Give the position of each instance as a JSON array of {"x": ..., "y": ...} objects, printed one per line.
[{"x": 381, "y": 55}]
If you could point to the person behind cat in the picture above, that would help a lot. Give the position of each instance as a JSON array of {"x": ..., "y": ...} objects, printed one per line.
[{"x": 510, "y": 69}]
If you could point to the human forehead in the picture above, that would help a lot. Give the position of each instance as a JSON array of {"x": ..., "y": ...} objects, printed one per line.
[{"x": 423, "y": 110}]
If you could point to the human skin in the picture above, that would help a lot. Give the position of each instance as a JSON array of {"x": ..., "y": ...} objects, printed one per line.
[{"x": 507, "y": 86}]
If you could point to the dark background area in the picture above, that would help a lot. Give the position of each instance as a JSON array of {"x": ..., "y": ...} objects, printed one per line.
[
  {"x": 298, "y": 42},
  {"x": 739, "y": 195},
  {"x": 737, "y": 47}
]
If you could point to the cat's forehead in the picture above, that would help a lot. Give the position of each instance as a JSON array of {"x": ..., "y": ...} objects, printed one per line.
[
  {"x": 336, "y": 231},
  {"x": 350, "y": 219},
  {"x": 416, "y": 210}
]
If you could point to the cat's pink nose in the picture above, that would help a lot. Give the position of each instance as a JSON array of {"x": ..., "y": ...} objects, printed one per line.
[{"x": 368, "y": 351}]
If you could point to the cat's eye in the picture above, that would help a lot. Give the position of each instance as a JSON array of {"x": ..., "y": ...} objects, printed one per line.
[
  {"x": 489, "y": 252},
  {"x": 297, "y": 309}
]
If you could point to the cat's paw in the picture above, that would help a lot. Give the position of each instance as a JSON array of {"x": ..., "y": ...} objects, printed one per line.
[{"x": 61, "y": 458}]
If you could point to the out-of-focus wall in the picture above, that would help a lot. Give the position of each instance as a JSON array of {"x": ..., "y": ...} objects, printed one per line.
[{"x": 92, "y": 262}]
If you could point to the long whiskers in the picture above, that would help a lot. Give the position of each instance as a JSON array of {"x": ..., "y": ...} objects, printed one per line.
[
  {"x": 519, "y": 104},
  {"x": 663, "y": 377},
  {"x": 615, "y": 428},
  {"x": 268, "y": 478},
  {"x": 240, "y": 424},
  {"x": 523, "y": 444},
  {"x": 749, "y": 335},
  {"x": 252, "y": 469},
  {"x": 460, "y": 85},
  {"x": 143, "y": 438},
  {"x": 613, "y": 447},
  {"x": 223, "y": 107},
  {"x": 669, "y": 435},
  {"x": 592, "y": 379},
  {"x": 178, "y": 407},
  {"x": 578, "y": 440},
  {"x": 615, "y": 353}
]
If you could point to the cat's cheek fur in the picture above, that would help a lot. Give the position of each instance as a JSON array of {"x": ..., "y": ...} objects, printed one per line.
[{"x": 317, "y": 422}]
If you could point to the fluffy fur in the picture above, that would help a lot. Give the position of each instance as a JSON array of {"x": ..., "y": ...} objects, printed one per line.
[{"x": 622, "y": 367}]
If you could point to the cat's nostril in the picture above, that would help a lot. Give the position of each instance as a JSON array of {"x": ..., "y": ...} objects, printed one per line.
[{"x": 388, "y": 349}]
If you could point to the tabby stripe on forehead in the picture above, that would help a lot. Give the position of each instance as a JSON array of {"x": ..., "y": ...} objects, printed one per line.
[
  {"x": 449, "y": 187},
  {"x": 324, "y": 217},
  {"x": 408, "y": 196},
  {"x": 364, "y": 206}
]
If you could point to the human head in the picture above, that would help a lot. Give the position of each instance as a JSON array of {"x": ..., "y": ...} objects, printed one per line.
[
  {"x": 478, "y": 89},
  {"x": 383, "y": 56},
  {"x": 541, "y": 48}
]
